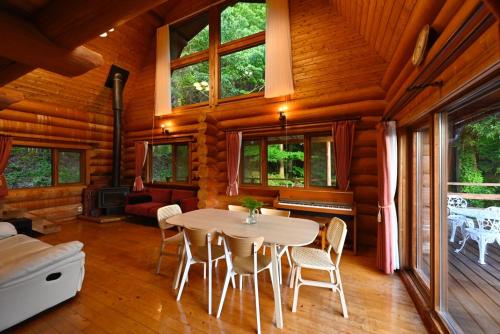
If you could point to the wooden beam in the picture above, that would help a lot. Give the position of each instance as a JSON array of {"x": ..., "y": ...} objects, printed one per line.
[
  {"x": 72, "y": 23},
  {"x": 13, "y": 71},
  {"x": 8, "y": 97},
  {"x": 494, "y": 6},
  {"x": 424, "y": 13},
  {"x": 20, "y": 39}
]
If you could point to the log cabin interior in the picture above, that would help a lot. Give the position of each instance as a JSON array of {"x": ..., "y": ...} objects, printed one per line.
[{"x": 141, "y": 139}]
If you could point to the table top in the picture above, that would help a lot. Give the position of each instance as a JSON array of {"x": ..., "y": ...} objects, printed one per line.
[{"x": 274, "y": 229}]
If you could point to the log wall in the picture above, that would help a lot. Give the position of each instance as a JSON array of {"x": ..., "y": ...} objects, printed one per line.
[
  {"x": 336, "y": 74},
  {"x": 74, "y": 113}
]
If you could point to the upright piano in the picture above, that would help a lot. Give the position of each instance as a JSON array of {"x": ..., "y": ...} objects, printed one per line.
[{"x": 330, "y": 202}]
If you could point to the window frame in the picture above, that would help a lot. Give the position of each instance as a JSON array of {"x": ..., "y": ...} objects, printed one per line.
[
  {"x": 263, "y": 163},
  {"x": 213, "y": 55},
  {"x": 149, "y": 163},
  {"x": 54, "y": 151}
]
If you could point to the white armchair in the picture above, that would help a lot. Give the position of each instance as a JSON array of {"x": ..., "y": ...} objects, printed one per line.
[{"x": 455, "y": 220}]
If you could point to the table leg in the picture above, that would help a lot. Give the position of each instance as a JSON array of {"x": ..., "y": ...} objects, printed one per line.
[{"x": 278, "y": 312}]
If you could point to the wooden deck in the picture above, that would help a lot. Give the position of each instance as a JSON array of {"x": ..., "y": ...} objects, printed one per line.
[
  {"x": 121, "y": 294},
  {"x": 474, "y": 289}
]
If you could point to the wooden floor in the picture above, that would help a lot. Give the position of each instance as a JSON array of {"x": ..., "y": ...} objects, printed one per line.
[
  {"x": 121, "y": 294},
  {"x": 474, "y": 289}
]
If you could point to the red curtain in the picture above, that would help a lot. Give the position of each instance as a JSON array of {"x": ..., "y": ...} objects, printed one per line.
[
  {"x": 387, "y": 232},
  {"x": 5, "y": 147},
  {"x": 343, "y": 139},
  {"x": 233, "y": 145},
  {"x": 141, "y": 151}
]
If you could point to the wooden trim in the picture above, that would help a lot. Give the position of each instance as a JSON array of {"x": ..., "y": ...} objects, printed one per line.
[
  {"x": 242, "y": 43},
  {"x": 239, "y": 97},
  {"x": 192, "y": 59},
  {"x": 214, "y": 60}
]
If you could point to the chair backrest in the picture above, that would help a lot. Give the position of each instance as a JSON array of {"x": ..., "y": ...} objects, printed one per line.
[
  {"x": 336, "y": 234},
  {"x": 198, "y": 237},
  {"x": 457, "y": 201},
  {"x": 166, "y": 212},
  {"x": 274, "y": 212},
  {"x": 238, "y": 208},
  {"x": 244, "y": 247},
  {"x": 490, "y": 219}
]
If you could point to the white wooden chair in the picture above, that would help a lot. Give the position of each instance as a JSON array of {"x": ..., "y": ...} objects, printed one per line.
[
  {"x": 243, "y": 259},
  {"x": 199, "y": 249},
  {"x": 237, "y": 208},
  {"x": 281, "y": 249},
  {"x": 456, "y": 201},
  {"x": 312, "y": 258},
  {"x": 177, "y": 239},
  {"x": 486, "y": 231}
]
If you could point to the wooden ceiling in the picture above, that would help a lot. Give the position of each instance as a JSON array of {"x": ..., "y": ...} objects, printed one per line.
[{"x": 380, "y": 22}]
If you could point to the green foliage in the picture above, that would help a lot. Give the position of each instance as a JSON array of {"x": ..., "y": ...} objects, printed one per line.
[
  {"x": 241, "y": 72},
  {"x": 29, "y": 167},
  {"x": 478, "y": 156},
  {"x": 285, "y": 164},
  {"x": 251, "y": 203},
  {"x": 162, "y": 163}
]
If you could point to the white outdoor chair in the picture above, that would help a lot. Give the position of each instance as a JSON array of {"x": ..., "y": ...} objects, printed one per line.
[
  {"x": 312, "y": 258},
  {"x": 163, "y": 214},
  {"x": 281, "y": 249},
  {"x": 199, "y": 249},
  {"x": 237, "y": 208},
  {"x": 243, "y": 259},
  {"x": 486, "y": 231},
  {"x": 456, "y": 201}
]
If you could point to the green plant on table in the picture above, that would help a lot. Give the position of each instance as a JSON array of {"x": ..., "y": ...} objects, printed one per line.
[{"x": 251, "y": 203}]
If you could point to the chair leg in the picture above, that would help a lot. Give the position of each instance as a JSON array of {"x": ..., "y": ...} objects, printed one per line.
[
  {"x": 453, "y": 230},
  {"x": 264, "y": 250},
  {"x": 288, "y": 257},
  {"x": 332, "y": 279},
  {"x": 209, "y": 287},
  {"x": 178, "y": 271},
  {"x": 204, "y": 270},
  {"x": 224, "y": 289},
  {"x": 158, "y": 265},
  {"x": 257, "y": 310},
  {"x": 463, "y": 244},
  {"x": 292, "y": 275},
  {"x": 184, "y": 279},
  {"x": 296, "y": 289},
  {"x": 233, "y": 283},
  {"x": 482, "y": 249},
  {"x": 280, "y": 271},
  {"x": 241, "y": 281},
  {"x": 341, "y": 293}
]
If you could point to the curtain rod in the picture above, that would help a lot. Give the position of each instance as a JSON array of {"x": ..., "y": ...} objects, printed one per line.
[{"x": 292, "y": 125}]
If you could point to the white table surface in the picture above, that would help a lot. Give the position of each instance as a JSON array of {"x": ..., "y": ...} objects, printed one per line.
[{"x": 275, "y": 230}]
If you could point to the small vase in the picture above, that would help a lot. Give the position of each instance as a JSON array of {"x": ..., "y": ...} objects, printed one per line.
[{"x": 252, "y": 217}]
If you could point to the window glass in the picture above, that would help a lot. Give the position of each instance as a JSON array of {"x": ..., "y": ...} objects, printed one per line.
[
  {"x": 162, "y": 163},
  {"x": 242, "y": 19},
  {"x": 189, "y": 37},
  {"x": 242, "y": 72},
  {"x": 182, "y": 163},
  {"x": 322, "y": 162},
  {"x": 69, "y": 167},
  {"x": 190, "y": 84},
  {"x": 422, "y": 201},
  {"x": 473, "y": 222},
  {"x": 285, "y": 161},
  {"x": 251, "y": 162},
  {"x": 29, "y": 167}
]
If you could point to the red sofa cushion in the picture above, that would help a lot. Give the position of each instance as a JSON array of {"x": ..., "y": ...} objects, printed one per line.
[
  {"x": 178, "y": 194},
  {"x": 161, "y": 195},
  {"x": 189, "y": 204},
  {"x": 144, "y": 209}
]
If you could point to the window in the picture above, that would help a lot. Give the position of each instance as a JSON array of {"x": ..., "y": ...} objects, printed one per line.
[
  {"x": 241, "y": 20},
  {"x": 170, "y": 163},
  {"x": 69, "y": 166},
  {"x": 322, "y": 162},
  {"x": 285, "y": 161},
  {"x": 239, "y": 48},
  {"x": 34, "y": 167},
  {"x": 251, "y": 164},
  {"x": 242, "y": 72}
]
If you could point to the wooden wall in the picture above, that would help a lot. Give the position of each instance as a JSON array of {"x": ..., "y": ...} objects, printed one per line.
[
  {"x": 336, "y": 73},
  {"x": 74, "y": 113}
]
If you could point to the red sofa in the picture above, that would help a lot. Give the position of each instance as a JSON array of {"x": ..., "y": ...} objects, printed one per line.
[{"x": 146, "y": 203}]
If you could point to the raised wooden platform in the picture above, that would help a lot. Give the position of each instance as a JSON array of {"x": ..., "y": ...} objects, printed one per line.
[
  {"x": 122, "y": 294},
  {"x": 103, "y": 219},
  {"x": 474, "y": 289}
]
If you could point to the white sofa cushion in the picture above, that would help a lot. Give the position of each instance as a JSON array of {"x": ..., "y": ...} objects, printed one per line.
[
  {"x": 7, "y": 230},
  {"x": 24, "y": 256}
]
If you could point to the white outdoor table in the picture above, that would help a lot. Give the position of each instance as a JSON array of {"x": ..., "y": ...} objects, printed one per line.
[
  {"x": 468, "y": 212},
  {"x": 275, "y": 230}
]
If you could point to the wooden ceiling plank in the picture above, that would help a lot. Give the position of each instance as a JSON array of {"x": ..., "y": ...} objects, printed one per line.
[
  {"x": 389, "y": 35},
  {"x": 388, "y": 8},
  {"x": 21, "y": 38},
  {"x": 72, "y": 23},
  {"x": 8, "y": 97}
]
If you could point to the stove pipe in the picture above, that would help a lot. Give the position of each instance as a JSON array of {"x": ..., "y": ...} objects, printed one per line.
[{"x": 117, "y": 113}]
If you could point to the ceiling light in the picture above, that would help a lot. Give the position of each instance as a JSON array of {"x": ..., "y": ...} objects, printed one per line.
[{"x": 104, "y": 34}]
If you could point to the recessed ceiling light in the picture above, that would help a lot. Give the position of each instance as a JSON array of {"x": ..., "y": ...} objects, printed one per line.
[
  {"x": 104, "y": 34},
  {"x": 111, "y": 30}
]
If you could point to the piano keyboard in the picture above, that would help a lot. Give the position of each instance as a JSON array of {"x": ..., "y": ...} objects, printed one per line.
[{"x": 311, "y": 204}]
